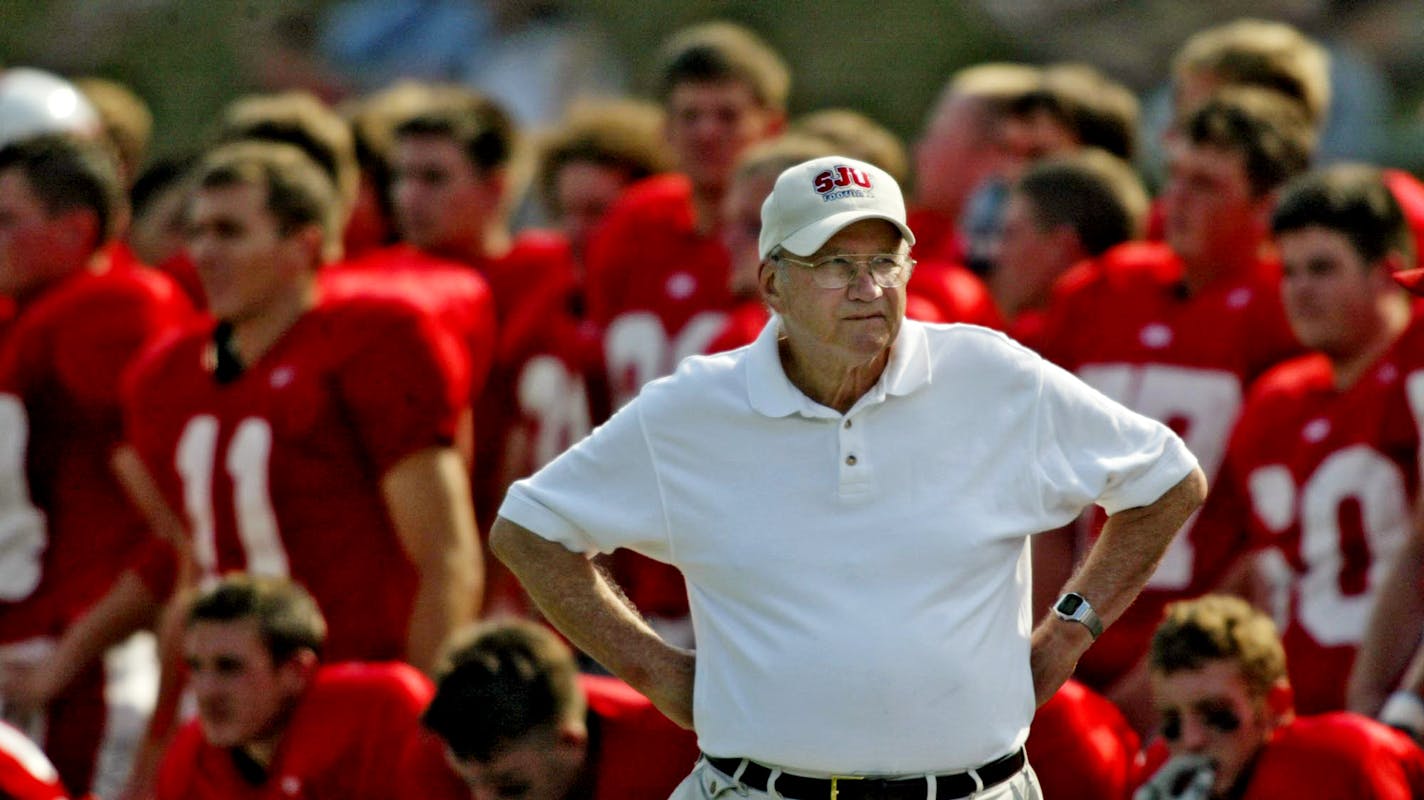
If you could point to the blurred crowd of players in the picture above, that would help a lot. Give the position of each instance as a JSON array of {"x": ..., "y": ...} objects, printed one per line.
[{"x": 298, "y": 370}]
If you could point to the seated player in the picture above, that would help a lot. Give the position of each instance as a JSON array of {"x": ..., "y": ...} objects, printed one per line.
[
  {"x": 517, "y": 720},
  {"x": 272, "y": 720},
  {"x": 1218, "y": 674}
]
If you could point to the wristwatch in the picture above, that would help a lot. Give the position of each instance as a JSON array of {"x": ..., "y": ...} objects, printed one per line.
[{"x": 1074, "y": 607}]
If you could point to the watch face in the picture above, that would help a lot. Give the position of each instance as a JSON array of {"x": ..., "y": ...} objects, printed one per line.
[{"x": 1069, "y": 604}]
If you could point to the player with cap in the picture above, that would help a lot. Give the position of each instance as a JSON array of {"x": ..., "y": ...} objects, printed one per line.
[{"x": 850, "y": 499}]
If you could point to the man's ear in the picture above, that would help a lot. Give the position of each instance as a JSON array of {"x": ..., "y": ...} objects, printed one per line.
[
  {"x": 769, "y": 281},
  {"x": 1280, "y": 701}
]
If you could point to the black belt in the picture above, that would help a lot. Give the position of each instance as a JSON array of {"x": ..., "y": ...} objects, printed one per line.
[{"x": 855, "y": 787}]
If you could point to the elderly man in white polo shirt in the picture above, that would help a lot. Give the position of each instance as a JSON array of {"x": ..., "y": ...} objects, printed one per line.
[{"x": 850, "y": 499}]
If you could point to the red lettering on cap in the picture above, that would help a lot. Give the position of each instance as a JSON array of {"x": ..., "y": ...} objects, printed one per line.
[{"x": 839, "y": 177}]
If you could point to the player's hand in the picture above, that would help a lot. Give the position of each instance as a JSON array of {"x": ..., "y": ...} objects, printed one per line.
[{"x": 1184, "y": 777}]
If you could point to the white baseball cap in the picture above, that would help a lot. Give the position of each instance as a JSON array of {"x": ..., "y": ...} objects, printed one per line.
[
  {"x": 34, "y": 102},
  {"x": 815, "y": 199}
]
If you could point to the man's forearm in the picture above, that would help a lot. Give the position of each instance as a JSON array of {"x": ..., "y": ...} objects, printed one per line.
[
  {"x": 576, "y": 598},
  {"x": 444, "y": 601},
  {"x": 1393, "y": 634},
  {"x": 1117, "y": 567},
  {"x": 1131, "y": 544}
]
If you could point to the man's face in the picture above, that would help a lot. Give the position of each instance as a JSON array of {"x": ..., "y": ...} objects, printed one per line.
[
  {"x": 242, "y": 696},
  {"x": 244, "y": 260},
  {"x": 741, "y": 225},
  {"x": 1331, "y": 295},
  {"x": 1210, "y": 712},
  {"x": 32, "y": 241},
  {"x": 1212, "y": 217},
  {"x": 1034, "y": 136},
  {"x": 710, "y": 124},
  {"x": 541, "y": 765},
  {"x": 853, "y": 324},
  {"x": 584, "y": 191},
  {"x": 957, "y": 153},
  {"x": 1030, "y": 257},
  {"x": 443, "y": 204}
]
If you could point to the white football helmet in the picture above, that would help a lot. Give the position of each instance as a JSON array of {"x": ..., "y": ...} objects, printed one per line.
[{"x": 33, "y": 102}]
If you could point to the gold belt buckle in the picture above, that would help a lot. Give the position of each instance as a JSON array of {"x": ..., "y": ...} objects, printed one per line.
[{"x": 835, "y": 783}]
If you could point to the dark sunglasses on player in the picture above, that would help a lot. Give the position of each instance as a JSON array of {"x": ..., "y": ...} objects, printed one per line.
[{"x": 1217, "y": 716}]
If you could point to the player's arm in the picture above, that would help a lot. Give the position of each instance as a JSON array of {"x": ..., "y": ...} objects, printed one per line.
[
  {"x": 1392, "y": 645},
  {"x": 581, "y": 603},
  {"x": 1115, "y": 570},
  {"x": 428, "y": 496}
]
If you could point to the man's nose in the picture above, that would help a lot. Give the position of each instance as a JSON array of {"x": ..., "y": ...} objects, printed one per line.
[
  {"x": 1194, "y": 735},
  {"x": 863, "y": 286}
]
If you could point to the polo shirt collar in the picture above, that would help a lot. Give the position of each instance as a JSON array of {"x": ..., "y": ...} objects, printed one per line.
[{"x": 772, "y": 394}]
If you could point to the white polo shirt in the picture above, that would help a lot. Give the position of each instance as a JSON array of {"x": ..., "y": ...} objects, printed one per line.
[{"x": 859, "y": 583}]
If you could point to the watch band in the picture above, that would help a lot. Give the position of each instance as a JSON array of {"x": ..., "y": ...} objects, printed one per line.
[{"x": 1073, "y": 607}]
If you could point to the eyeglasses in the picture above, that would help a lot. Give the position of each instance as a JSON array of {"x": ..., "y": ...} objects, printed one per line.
[
  {"x": 1219, "y": 717},
  {"x": 888, "y": 270}
]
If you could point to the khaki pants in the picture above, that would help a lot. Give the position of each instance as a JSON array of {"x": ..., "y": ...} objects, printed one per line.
[{"x": 707, "y": 783}]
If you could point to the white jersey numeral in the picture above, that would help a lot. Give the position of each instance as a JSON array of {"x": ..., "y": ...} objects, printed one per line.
[
  {"x": 23, "y": 534},
  {"x": 637, "y": 348},
  {"x": 1343, "y": 563},
  {"x": 557, "y": 398},
  {"x": 246, "y": 463},
  {"x": 1201, "y": 405}
]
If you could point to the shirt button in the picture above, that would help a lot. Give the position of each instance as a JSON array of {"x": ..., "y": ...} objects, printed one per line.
[
  {"x": 847, "y": 423},
  {"x": 850, "y": 461}
]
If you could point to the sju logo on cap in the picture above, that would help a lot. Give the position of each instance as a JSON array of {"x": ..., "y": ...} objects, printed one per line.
[{"x": 832, "y": 183}]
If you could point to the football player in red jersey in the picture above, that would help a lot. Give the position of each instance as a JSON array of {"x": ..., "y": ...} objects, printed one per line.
[
  {"x": 657, "y": 270},
  {"x": 453, "y": 184},
  {"x": 961, "y": 147},
  {"x": 1387, "y": 681},
  {"x": 272, "y": 721},
  {"x": 294, "y": 428},
  {"x": 300, "y": 427},
  {"x": 1060, "y": 212},
  {"x": 1176, "y": 331},
  {"x": 517, "y": 720},
  {"x": 1320, "y": 488},
  {"x": 1229, "y": 725},
  {"x": 68, "y": 529}
]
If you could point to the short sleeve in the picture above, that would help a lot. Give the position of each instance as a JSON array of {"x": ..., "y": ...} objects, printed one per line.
[
  {"x": 599, "y": 495},
  {"x": 1095, "y": 450},
  {"x": 406, "y": 388}
]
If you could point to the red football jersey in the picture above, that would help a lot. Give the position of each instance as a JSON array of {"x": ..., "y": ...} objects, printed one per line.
[
  {"x": 656, "y": 286},
  {"x": 279, "y": 470},
  {"x": 1081, "y": 746},
  {"x": 454, "y": 294},
  {"x": 535, "y": 258},
  {"x": 345, "y": 739},
  {"x": 953, "y": 293},
  {"x": 937, "y": 237},
  {"x": 25, "y": 773},
  {"x": 1329, "y": 495},
  {"x": 70, "y": 525},
  {"x": 547, "y": 392},
  {"x": 1125, "y": 324},
  {"x": 1335, "y": 756}
]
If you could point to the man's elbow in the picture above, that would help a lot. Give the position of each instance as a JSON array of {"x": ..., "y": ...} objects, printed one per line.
[
  {"x": 507, "y": 540},
  {"x": 1194, "y": 489}
]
